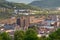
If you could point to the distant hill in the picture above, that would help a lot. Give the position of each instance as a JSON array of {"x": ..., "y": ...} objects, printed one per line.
[
  {"x": 6, "y": 4},
  {"x": 46, "y": 3},
  {"x": 25, "y": 6}
]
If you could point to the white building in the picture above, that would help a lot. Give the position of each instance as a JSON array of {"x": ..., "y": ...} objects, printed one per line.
[{"x": 22, "y": 11}]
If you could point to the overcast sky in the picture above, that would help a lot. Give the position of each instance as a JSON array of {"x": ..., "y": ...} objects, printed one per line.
[{"x": 21, "y": 1}]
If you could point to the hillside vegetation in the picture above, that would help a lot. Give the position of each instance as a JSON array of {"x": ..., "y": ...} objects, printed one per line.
[{"x": 7, "y": 8}]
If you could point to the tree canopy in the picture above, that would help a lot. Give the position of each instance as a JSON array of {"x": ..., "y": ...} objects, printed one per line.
[
  {"x": 19, "y": 35},
  {"x": 31, "y": 35}
]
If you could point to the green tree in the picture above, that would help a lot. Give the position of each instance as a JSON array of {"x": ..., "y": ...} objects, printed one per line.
[
  {"x": 44, "y": 38},
  {"x": 31, "y": 35},
  {"x": 55, "y": 35},
  {"x": 19, "y": 35},
  {"x": 5, "y": 36},
  {"x": 0, "y": 38},
  {"x": 34, "y": 27}
]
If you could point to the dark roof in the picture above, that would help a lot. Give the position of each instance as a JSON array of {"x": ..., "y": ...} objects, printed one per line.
[{"x": 8, "y": 26}]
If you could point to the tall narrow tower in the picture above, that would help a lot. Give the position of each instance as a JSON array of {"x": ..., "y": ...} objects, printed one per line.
[{"x": 25, "y": 22}]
